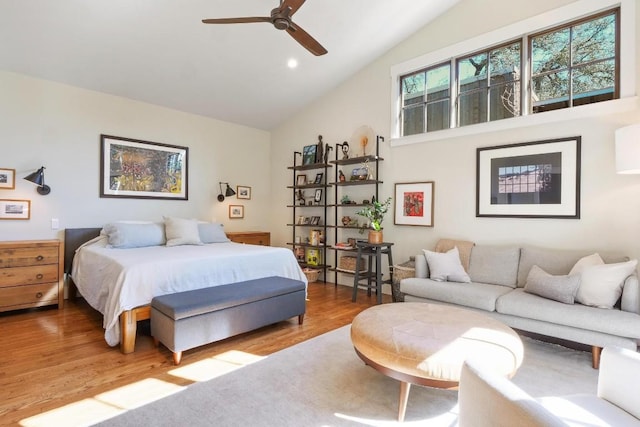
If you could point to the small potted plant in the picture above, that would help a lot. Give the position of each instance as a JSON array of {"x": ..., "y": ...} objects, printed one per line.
[{"x": 375, "y": 214}]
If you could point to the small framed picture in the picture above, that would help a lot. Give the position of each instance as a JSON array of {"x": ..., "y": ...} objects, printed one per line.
[
  {"x": 307, "y": 220},
  {"x": 301, "y": 179},
  {"x": 15, "y": 209},
  {"x": 318, "y": 196},
  {"x": 300, "y": 220},
  {"x": 315, "y": 220},
  {"x": 319, "y": 178},
  {"x": 236, "y": 211},
  {"x": 7, "y": 179},
  {"x": 243, "y": 192},
  {"x": 309, "y": 154}
]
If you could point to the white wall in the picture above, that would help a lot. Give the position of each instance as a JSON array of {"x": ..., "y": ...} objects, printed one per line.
[
  {"x": 610, "y": 203},
  {"x": 59, "y": 126}
]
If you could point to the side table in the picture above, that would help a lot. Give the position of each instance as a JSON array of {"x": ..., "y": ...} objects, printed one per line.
[{"x": 373, "y": 278}]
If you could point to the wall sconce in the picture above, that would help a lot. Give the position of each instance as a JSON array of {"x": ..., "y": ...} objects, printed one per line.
[
  {"x": 628, "y": 149},
  {"x": 37, "y": 178},
  {"x": 228, "y": 192}
]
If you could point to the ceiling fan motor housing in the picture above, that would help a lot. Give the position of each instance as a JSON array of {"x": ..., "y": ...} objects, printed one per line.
[{"x": 280, "y": 19}]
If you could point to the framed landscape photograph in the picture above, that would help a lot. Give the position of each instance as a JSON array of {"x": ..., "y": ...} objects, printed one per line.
[
  {"x": 309, "y": 154},
  {"x": 414, "y": 203},
  {"x": 7, "y": 179},
  {"x": 243, "y": 192},
  {"x": 15, "y": 209},
  {"x": 136, "y": 169},
  {"x": 539, "y": 179},
  {"x": 236, "y": 211}
]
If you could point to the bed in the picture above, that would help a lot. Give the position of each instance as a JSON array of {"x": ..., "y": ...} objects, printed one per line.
[{"x": 120, "y": 282}]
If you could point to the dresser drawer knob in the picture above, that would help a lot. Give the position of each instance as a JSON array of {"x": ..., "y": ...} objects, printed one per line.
[
  {"x": 39, "y": 276},
  {"x": 39, "y": 295},
  {"x": 39, "y": 258}
]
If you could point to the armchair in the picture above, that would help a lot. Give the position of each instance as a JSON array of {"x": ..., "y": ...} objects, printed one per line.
[{"x": 486, "y": 399}]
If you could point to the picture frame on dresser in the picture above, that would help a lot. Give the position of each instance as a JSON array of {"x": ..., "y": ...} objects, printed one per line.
[
  {"x": 7, "y": 179},
  {"x": 11, "y": 209}
]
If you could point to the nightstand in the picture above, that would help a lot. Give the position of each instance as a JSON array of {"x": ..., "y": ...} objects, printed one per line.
[
  {"x": 251, "y": 237},
  {"x": 31, "y": 274}
]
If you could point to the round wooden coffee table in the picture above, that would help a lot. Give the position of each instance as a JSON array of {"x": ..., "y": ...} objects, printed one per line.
[{"x": 426, "y": 344}]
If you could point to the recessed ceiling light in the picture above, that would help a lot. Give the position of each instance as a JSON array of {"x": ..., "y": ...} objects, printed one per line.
[{"x": 292, "y": 63}]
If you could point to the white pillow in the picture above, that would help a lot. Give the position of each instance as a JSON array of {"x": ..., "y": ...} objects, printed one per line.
[
  {"x": 181, "y": 231},
  {"x": 212, "y": 232},
  {"x": 446, "y": 266},
  {"x": 601, "y": 285},
  {"x": 123, "y": 235},
  {"x": 585, "y": 262}
]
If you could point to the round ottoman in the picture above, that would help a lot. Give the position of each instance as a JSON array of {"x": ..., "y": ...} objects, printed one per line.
[{"x": 426, "y": 344}]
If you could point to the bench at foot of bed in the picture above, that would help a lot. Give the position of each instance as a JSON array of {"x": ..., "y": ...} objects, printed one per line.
[{"x": 189, "y": 319}]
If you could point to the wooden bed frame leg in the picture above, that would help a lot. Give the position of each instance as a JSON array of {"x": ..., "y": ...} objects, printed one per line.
[
  {"x": 595, "y": 357},
  {"x": 128, "y": 326},
  {"x": 300, "y": 319},
  {"x": 177, "y": 357},
  {"x": 72, "y": 289}
]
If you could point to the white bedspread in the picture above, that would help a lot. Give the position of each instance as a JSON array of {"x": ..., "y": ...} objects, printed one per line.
[{"x": 115, "y": 280}]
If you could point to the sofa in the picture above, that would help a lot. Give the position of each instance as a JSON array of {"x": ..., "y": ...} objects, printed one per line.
[
  {"x": 530, "y": 289},
  {"x": 488, "y": 399}
]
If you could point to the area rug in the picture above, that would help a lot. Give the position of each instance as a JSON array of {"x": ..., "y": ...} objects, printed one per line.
[{"x": 321, "y": 382}]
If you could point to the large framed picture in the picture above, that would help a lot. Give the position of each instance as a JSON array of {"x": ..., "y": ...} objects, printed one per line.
[
  {"x": 7, "y": 179},
  {"x": 138, "y": 169},
  {"x": 15, "y": 209},
  {"x": 309, "y": 154},
  {"x": 414, "y": 203},
  {"x": 539, "y": 179}
]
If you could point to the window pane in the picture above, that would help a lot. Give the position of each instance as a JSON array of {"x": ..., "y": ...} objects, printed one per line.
[
  {"x": 504, "y": 101},
  {"x": 550, "y": 51},
  {"x": 413, "y": 120},
  {"x": 438, "y": 82},
  {"x": 504, "y": 64},
  {"x": 594, "y": 40},
  {"x": 472, "y": 108},
  {"x": 594, "y": 82},
  {"x": 550, "y": 91},
  {"x": 472, "y": 69},
  {"x": 438, "y": 115},
  {"x": 413, "y": 85}
]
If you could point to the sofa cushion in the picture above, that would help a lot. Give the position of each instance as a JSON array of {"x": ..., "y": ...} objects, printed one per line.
[
  {"x": 476, "y": 295},
  {"x": 585, "y": 262},
  {"x": 601, "y": 285},
  {"x": 496, "y": 265},
  {"x": 446, "y": 266},
  {"x": 616, "y": 322},
  {"x": 558, "y": 288}
]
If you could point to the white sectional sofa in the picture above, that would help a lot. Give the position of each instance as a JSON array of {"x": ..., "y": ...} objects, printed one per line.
[{"x": 499, "y": 287}]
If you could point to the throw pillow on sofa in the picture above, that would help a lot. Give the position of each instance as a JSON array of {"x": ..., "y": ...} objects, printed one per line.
[
  {"x": 586, "y": 262},
  {"x": 601, "y": 285},
  {"x": 558, "y": 288},
  {"x": 446, "y": 266}
]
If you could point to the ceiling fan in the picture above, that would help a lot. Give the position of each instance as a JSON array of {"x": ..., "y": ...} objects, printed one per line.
[{"x": 281, "y": 19}]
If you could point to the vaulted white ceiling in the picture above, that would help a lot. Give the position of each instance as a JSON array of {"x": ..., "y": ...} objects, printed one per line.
[{"x": 158, "y": 51}]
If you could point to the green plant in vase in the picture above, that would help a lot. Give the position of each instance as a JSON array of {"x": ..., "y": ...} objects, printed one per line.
[{"x": 375, "y": 213}]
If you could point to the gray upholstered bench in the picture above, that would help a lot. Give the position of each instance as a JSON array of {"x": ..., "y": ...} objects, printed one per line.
[{"x": 185, "y": 320}]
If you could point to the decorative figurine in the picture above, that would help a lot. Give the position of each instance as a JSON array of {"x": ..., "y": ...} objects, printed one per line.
[
  {"x": 319, "y": 150},
  {"x": 345, "y": 150},
  {"x": 341, "y": 176},
  {"x": 327, "y": 148}
]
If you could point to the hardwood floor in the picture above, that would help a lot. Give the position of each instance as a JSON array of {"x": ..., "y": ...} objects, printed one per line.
[{"x": 55, "y": 358}]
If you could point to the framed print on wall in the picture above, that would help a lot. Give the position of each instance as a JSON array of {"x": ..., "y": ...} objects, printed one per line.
[
  {"x": 15, "y": 209},
  {"x": 243, "y": 192},
  {"x": 236, "y": 211},
  {"x": 138, "y": 169},
  {"x": 539, "y": 179},
  {"x": 309, "y": 154},
  {"x": 414, "y": 203},
  {"x": 7, "y": 179}
]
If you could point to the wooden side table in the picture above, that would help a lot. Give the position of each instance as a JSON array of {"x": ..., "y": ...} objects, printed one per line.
[
  {"x": 250, "y": 237},
  {"x": 372, "y": 251}
]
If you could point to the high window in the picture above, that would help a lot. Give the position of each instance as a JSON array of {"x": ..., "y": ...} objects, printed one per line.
[{"x": 570, "y": 65}]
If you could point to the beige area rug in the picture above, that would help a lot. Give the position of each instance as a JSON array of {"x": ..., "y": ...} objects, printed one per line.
[{"x": 321, "y": 382}]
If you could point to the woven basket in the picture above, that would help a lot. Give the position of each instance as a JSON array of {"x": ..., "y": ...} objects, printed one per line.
[
  {"x": 312, "y": 275},
  {"x": 401, "y": 271},
  {"x": 348, "y": 262}
]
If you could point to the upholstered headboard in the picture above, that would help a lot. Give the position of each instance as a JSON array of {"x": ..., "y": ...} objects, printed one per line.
[{"x": 73, "y": 238}]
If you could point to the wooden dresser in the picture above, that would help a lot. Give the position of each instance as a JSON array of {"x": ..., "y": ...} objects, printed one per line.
[
  {"x": 31, "y": 274},
  {"x": 251, "y": 237}
]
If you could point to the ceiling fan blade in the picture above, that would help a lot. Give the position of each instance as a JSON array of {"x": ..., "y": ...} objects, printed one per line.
[
  {"x": 237, "y": 20},
  {"x": 308, "y": 42},
  {"x": 293, "y": 5}
]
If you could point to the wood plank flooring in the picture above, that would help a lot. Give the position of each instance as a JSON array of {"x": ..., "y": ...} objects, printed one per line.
[{"x": 55, "y": 358}]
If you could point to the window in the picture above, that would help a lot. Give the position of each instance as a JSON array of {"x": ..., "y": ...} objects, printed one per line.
[{"x": 570, "y": 65}]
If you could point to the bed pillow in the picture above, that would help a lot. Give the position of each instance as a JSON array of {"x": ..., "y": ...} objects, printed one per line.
[
  {"x": 558, "y": 288},
  {"x": 181, "y": 231},
  {"x": 124, "y": 235},
  {"x": 446, "y": 266},
  {"x": 601, "y": 285},
  {"x": 212, "y": 232}
]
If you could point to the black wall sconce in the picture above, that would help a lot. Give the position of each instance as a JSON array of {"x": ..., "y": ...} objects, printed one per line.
[
  {"x": 228, "y": 192},
  {"x": 37, "y": 178}
]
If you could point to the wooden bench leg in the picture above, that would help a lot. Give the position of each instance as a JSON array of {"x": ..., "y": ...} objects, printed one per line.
[
  {"x": 177, "y": 357},
  {"x": 402, "y": 401},
  {"x": 300, "y": 319},
  {"x": 595, "y": 357}
]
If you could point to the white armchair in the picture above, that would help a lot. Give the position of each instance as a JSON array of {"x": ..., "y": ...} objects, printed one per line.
[{"x": 486, "y": 399}]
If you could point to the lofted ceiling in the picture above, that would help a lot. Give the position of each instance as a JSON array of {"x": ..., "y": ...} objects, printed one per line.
[{"x": 158, "y": 51}]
